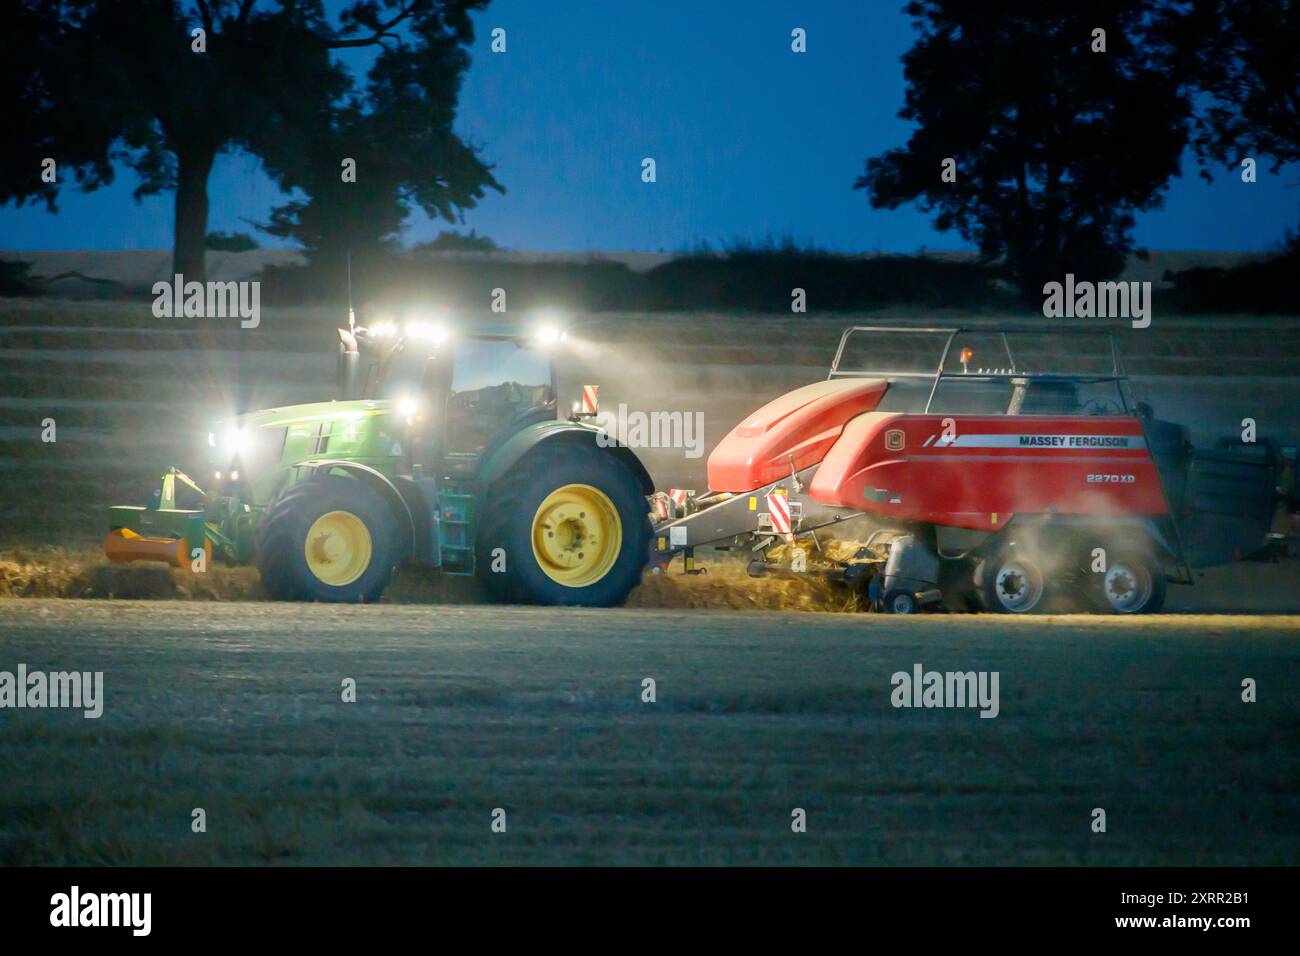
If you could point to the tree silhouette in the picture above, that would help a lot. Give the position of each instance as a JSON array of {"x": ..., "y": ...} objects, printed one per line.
[
  {"x": 1243, "y": 57},
  {"x": 96, "y": 83},
  {"x": 1056, "y": 146}
]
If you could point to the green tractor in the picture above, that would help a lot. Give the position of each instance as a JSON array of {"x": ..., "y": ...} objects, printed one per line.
[{"x": 449, "y": 453}]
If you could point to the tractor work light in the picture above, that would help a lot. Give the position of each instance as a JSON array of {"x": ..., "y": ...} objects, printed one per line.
[
  {"x": 549, "y": 335},
  {"x": 434, "y": 333},
  {"x": 546, "y": 328}
]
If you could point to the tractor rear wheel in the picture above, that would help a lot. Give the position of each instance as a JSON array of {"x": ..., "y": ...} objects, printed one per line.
[
  {"x": 327, "y": 538},
  {"x": 568, "y": 525}
]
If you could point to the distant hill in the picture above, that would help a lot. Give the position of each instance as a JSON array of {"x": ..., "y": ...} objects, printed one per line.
[
  {"x": 140, "y": 268},
  {"x": 746, "y": 280}
]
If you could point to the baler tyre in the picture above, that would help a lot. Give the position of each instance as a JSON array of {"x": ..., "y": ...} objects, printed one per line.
[
  {"x": 1012, "y": 583},
  {"x": 1134, "y": 582},
  {"x": 573, "y": 527},
  {"x": 327, "y": 538},
  {"x": 899, "y": 601}
]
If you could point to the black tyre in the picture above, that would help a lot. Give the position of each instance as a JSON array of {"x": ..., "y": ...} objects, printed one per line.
[
  {"x": 1134, "y": 582},
  {"x": 327, "y": 538},
  {"x": 1012, "y": 583},
  {"x": 899, "y": 601},
  {"x": 568, "y": 525}
]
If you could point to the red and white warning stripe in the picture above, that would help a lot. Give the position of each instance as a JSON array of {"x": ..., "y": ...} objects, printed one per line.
[
  {"x": 779, "y": 508},
  {"x": 679, "y": 496},
  {"x": 590, "y": 393}
]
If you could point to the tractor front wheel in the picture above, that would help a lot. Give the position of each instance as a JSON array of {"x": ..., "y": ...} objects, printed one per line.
[
  {"x": 327, "y": 538},
  {"x": 568, "y": 525}
]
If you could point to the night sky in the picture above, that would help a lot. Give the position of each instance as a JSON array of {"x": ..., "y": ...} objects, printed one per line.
[{"x": 750, "y": 140}]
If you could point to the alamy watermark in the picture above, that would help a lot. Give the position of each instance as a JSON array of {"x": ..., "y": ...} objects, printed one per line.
[
  {"x": 637, "y": 429},
  {"x": 1100, "y": 300},
  {"x": 922, "y": 688},
  {"x": 75, "y": 908},
  {"x": 209, "y": 300},
  {"x": 39, "y": 689}
]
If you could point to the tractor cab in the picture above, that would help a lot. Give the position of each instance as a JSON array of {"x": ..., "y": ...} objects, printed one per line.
[
  {"x": 495, "y": 386},
  {"x": 461, "y": 395}
]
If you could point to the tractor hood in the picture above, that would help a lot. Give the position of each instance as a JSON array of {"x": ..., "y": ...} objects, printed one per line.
[
  {"x": 313, "y": 412},
  {"x": 258, "y": 444},
  {"x": 790, "y": 433}
]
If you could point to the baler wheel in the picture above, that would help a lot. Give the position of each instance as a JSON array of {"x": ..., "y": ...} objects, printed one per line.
[
  {"x": 899, "y": 601},
  {"x": 1012, "y": 583},
  {"x": 1133, "y": 583}
]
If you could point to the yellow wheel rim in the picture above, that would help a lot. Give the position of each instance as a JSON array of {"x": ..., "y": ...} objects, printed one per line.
[
  {"x": 577, "y": 535},
  {"x": 338, "y": 548}
]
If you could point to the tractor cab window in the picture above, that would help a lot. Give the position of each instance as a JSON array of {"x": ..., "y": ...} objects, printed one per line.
[
  {"x": 403, "y": 373},
  {"x": 496, "y": 385}
]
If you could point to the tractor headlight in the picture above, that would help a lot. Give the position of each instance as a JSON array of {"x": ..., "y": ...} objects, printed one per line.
[{"x": 234, "y": 442}]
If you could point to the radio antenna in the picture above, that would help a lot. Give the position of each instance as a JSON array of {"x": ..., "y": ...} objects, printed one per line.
[{"x": 352, "y": 316}]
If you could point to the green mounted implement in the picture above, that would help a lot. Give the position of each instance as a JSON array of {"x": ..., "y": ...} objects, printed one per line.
[{"x": 448, "y": 453}]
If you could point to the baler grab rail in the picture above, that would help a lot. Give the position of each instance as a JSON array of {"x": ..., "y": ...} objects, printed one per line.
[{"x": 1117, "y": 374}]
